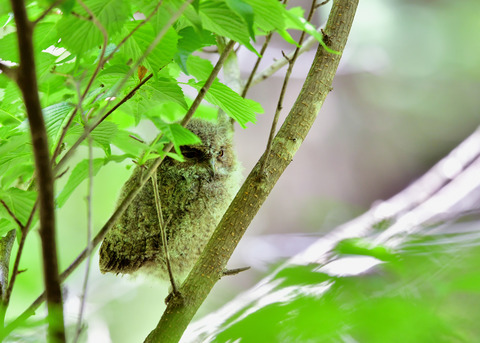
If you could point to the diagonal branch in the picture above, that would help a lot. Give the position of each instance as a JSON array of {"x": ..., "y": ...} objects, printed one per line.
[
  {"x": 27, "y": 81},
  {"x": 253, "y": 193}
]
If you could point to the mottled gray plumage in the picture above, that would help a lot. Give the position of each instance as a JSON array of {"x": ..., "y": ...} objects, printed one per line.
[{"x": 194, "y": 195}]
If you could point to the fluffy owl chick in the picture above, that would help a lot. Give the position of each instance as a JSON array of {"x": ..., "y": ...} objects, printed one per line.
[{"x": 194, "y": 195}]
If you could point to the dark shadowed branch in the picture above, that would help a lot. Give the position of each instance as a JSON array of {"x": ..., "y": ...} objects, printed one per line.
[{"x": 27, "y": 82}]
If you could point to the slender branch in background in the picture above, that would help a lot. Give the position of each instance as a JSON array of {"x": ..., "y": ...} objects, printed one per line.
[
  {"x": 163, "y": 232},
  {"x": 257, "y": 63},
  {"x": 24, "y": 231},
  {"x": 27, "y": 81},
  {"x": 89, "y": 249},
  {"x": 273, "y": 68},
  {"x": 208, "y": 83},
  {"x": 128, "y": 199},
  {"x": 47, "y": 11},
  {"x": 143, "y": 22},
  {"x": 291, "y": 63},
  {"x": 19, "y": 223},
  {"x": 6, "y": 244},
  {"x": 211, "y": 264},
  {"x": 100, "y": 27},
  {"x": 90, "y": 128},
  {"x": 9, "y": 72}
]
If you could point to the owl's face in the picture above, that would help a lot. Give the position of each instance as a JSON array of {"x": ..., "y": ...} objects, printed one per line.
[{"x": 214, "y": 157}]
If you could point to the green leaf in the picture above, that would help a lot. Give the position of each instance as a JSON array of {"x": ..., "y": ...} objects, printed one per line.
[
  {"x": 8, "y": 47},
  {"x": 79, "y": 35},
  {"x": 79, "y": 173},
  {"x": 218, "y": 18},
  {"x": 166, "y": 90},
  {"x": 132, "y": 147},
  {"x": 20, "y": 203},
  {"x": 245, "y": 11},
  {"x": 178, "y": 135},
  {"x": 55, "y": 118},
  {"x": 229, "y": 101},
  {"x": 199, "y": 67},
  {"x": 358, "y": 246},
  {"x": 269, "y": 14},
  {"x": 161, "y": 55},
  {"x": 300, "y": 23},
  {"x": 104, "y": 134},
  {"x": 190, "y": 41}
]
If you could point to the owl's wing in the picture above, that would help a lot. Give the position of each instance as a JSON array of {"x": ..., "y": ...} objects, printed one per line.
[{"x": 135, "y": 241}]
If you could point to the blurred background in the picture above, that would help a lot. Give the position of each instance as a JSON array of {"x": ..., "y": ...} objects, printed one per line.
[{"x": 406, "y": 93}]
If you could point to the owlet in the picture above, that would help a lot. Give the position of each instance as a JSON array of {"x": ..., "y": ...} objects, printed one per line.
[{"x": 194, "y": 195}]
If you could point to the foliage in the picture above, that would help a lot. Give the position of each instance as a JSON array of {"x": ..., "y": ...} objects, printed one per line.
[
  {"x": 104, "y": 67},
  {"x": 427, "y": 290}
]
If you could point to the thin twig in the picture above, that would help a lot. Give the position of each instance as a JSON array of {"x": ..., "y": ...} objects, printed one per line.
[
  {"x": 163, "y": 232},
  {"x": 127, "y": 200},
  {"x": 47, "y": 11},
  {"x": 9, "y": 72},
  {"x": 89, "y": 128},
  {"x": 291, "y": 63},
  {"x": 257, "y": 63},
  {"x": 100, "y": 27},
  {"x": 235, "y": 271},
  {"x": 16, "y": 264},
  {"x": 89, "y": 239},
  {"x": 277, "y": 65},
  {"x": 143, "y": 22},
  {"x": 19, "y": 223},
  {"x": 27, "y": 82}
]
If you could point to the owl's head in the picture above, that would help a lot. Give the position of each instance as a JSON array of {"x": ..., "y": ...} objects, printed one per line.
[{"x": 214, "y": 155}]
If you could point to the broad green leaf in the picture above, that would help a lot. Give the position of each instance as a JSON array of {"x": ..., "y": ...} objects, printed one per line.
[
  {"x": 6, "y": 226},
  {"x": 166, "y": 90},
  {"x": 245, "y": 11},
  {"x": 200, "y": 68},
  {"x": 104, "y": 135},
  {"x": 55, "y": 119},
  {"x": 20, "y": 202},
  {"x": 269, "y": 14},
  {"x": 79, "y": 173},
  {"x": 79, "y": 35},
  {"x": 9, "y": 48},
  {"x": 230, "y": 102},
  {"x": 178, "y": 135},
  {"x": 218, "y": 18},
  {"x": 132, "y": 147},
  {"x": 190, "y": 41},
  {"x": 161, "y": 55}
]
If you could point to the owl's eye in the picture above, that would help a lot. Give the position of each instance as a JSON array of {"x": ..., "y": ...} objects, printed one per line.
[
  {"x": 220, "y": 153},
  {"x": 189, "y": 152}
]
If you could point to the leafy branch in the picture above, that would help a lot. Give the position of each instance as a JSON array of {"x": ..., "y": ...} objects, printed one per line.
[
  {"x": 128, "y": 199},
  {"x": 256, "y": 188}
]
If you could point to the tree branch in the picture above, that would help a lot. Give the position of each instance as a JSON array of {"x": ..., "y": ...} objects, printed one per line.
[
  {"x": 276, "y": 66},
  {"x": 253, "y": 193},
  {"x": 9, "y": 72},
  {"x": 27, "y": 81}
]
